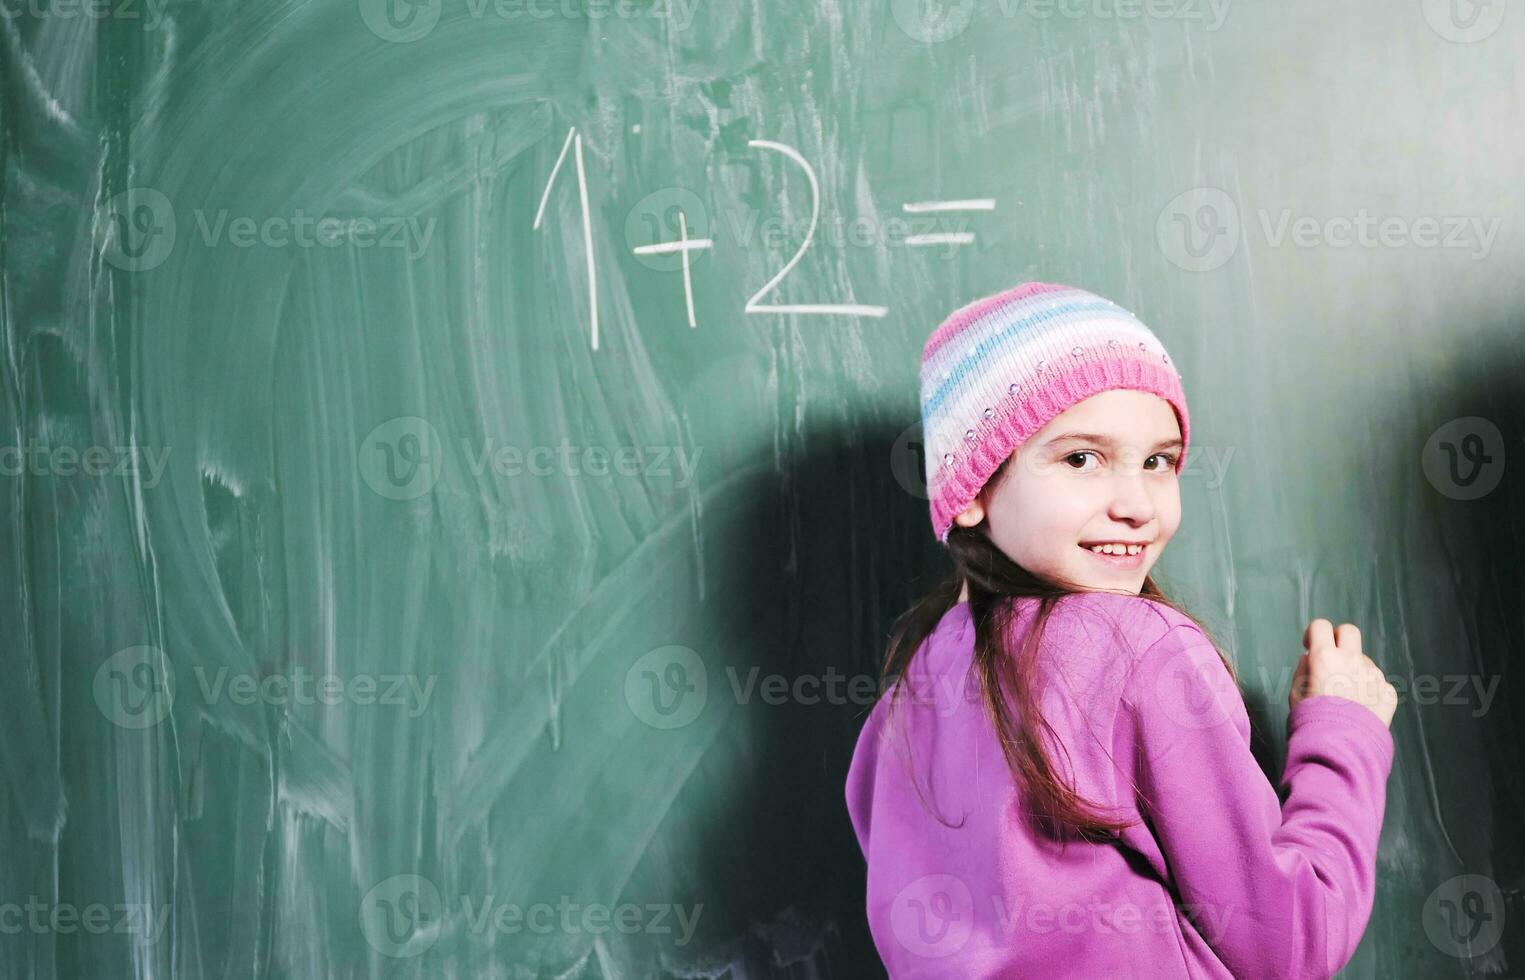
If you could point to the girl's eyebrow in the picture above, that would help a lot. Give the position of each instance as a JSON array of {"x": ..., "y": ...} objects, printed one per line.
[{"x": 1107, "y": 441}]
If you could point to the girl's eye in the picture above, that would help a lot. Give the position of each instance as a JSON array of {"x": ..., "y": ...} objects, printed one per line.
[
  {"x": 1169, "y": 459},
  {"x": 1081, "y": 453}
]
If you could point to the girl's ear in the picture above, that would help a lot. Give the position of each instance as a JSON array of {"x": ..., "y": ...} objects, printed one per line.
[{"x": 971, "y": 515}]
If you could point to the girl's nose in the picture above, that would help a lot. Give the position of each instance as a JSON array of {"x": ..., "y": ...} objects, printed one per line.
[{"x": 1131, "y": 500}]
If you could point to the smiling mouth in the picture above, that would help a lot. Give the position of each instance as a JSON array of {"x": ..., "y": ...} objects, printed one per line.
[{"x": 1124, "y": 561}]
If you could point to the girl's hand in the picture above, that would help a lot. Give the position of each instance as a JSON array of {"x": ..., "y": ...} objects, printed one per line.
[{"x": 1334, "y": 664}]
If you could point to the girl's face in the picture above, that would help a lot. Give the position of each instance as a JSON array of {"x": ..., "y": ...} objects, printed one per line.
[{"x": 1101, "y": 472}]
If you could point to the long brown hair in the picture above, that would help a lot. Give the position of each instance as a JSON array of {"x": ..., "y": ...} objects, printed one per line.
[{"x": 995, "y": 582}]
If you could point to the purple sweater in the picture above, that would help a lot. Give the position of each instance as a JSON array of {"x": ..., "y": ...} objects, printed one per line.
[{"x": 1215, "y": 877}]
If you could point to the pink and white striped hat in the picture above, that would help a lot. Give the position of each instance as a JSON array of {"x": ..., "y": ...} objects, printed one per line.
[{"x": 999, "y": 369}]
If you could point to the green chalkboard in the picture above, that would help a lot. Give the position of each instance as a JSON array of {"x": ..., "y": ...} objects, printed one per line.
[{"x": 461, "y": 468}]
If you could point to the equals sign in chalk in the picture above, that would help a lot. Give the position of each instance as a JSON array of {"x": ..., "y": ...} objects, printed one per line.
[{"x": 936, "y": 207}]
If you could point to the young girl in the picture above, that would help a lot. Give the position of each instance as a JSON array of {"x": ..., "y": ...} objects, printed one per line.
[{"x": 1060, "y": 782}]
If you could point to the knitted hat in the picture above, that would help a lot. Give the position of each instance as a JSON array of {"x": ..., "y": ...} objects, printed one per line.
[{"x": 999, "y": 369}]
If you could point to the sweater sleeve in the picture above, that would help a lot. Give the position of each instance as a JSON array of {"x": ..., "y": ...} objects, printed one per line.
[{"x": 1277, "y": 890}]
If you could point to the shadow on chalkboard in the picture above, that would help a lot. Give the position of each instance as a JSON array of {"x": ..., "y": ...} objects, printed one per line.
[
  {"x": 1460, "y": 740},
  {"x": 837, "y": 549},
  {"x": 1449, "y": 578}
]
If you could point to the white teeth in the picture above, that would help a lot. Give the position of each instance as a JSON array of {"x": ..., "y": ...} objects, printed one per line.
[{"x": 1117, "y": 549}]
